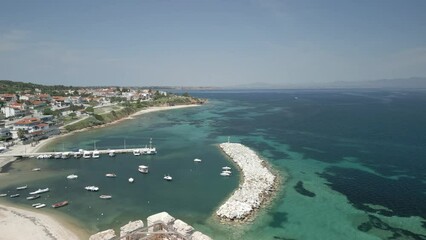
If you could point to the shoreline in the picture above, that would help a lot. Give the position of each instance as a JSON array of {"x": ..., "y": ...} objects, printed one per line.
[
  {"x": 36, "y": 225},
  {"x": 17, "y": 222},
  {"x": 258, "y": 185}
]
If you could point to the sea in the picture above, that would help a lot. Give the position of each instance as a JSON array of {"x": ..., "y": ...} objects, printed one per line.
[{"x": 352, "y": 163}]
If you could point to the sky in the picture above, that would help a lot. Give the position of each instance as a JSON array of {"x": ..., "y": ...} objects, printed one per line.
[{"x": 210, "y": 43}]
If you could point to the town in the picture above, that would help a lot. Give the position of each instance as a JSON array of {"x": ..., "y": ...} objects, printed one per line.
[{"x": 30, "y": 112}]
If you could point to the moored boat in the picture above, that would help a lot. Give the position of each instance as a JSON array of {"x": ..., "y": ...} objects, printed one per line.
[
  {"x": 3, "y": 195},
  {"x": 40, "y": 191},
  {"x": 111, "y": 175},
  {"x": 167, "y": 178},
  {"x": 226, "y": 168},
  {"x": 35, "y": 204},
  {"x": 131, "y": 180},
  {"x": 14, "y": 195},
  {"x": 111, "y": 153},
  {"x": 105, "y": 197},
  {"x": 72, "y": 176},
  {"x": 143, "y": 169},
  {"x": 225, "y": 174},
  {"x": 92, "y": 188},
  {"x": 136, "y": 152},
  {"x": 95, "y": 154},
  {"x": 197, "y": 160},
  {"x": 59, "y": 204},
  {"x": 87, "y": 154},
  {"x": 33, "y": 197},
  {"x": 40, "y": 206},
  {"x": 36, "y": 169},
  {"x": 22, "y": 187}
]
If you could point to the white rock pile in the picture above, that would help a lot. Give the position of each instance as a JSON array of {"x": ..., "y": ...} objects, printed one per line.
[{"x": 258, "y": 183}]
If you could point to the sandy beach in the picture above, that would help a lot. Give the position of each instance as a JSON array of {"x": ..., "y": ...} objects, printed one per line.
[{"x": 17, "y": 223}]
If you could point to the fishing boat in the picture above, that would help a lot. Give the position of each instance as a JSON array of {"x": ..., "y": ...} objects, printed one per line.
[
  {"x": 167, "y": 178},
  {"x": 105, "y": 197},
  {"x": 111, "y": 175},
  {"x": 40, "y": 206},
  {"x": 59, "y": 204},
  {"x": 92, "y": 188},
  {"x": 131, "y": 180},
  {"x": 197, "y": 160},
  {"x": 22, "y": 187},
  {"x": 33, "y": 197},
  {"x": 143, "y": 169},
  {"x": 40, "y": 191},
  {"x": 72, "y": 176},
  {"x": 36, "y": 169},
  {"x": 14, "y": 195}
]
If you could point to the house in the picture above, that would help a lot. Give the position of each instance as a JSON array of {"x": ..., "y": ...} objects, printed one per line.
[
  {"x": 8, "y": 97},
  {"x": 12, "y": 112},
  {"x": 26, "y": 124}
]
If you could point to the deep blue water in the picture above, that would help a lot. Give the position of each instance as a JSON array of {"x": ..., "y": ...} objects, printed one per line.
[{"x": 355, "y": 160}]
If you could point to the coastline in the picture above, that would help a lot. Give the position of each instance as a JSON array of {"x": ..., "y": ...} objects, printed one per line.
[
  {"x": 259, "y": 183},
  {"x": 21, "y": 223}
]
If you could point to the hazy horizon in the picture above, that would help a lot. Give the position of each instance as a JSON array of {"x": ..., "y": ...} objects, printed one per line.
[{"x": 211, "y": 43}]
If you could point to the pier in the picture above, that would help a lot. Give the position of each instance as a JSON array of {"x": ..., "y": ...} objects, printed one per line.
[{"x": 142, "y": 151}]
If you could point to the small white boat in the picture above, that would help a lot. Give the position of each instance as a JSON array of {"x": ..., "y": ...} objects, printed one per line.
[
  {"x": 65, "y": 155},
  {"x": 72, "y": 176},
  {"x": 105, "y": 197},
  {"x": 22, "y": 187},
  {"x": 3, "y": 195},
  {"x": 33, "y": 197},
  {"x": 92, "y": 188},
  {"x": 40, "y": 205},
  {"x": 197, "y": 160},
  {"x": 57, "y": 156},
  {"x": 95, "y": 154},
  {"x": 87, "y": 154},
  {"x": 227, "y": 171},
  {"x": 136, "y": 152},
  {"x": 110, "y": 175},
  {"x": 225, "y": 174},
  {"x": 77, "y": 155},
  {"x": 226, "y": 168},
  {"x": 14, "y": 195},
  {"x": 167, "y": 178},
  {"x": 39, "y": 191},
  {"x": 36, "y": 169},
  {"x": 131, "y": 180},
  {"x": 143, "y": 169},
  {"x": 35, "y": 204},
  {"x": 111, "y": 153}
]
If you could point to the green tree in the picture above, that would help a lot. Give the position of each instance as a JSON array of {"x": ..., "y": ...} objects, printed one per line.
[
  {"x": 21, "y": 133},
  {"x": 73, "y": 115},
  {"x": 90, "y": 110}
]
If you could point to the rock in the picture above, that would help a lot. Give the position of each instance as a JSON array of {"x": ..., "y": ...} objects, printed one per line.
[
  {"x": 183, "y": 228},
  {"x": 130, "y": 227},
  {"x": 162, "y": 217},
  {"x": 104, "y": 235},
  {"x": 199, "y": 236}
]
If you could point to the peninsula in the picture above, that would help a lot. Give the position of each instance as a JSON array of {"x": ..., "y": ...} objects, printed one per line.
[{"x": 257, "y": 186}]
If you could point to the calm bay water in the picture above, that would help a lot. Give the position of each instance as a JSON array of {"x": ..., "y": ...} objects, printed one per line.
[{"x": 356, "y": 161}]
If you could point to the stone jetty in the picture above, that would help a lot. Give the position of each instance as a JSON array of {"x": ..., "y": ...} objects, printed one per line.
[
  {"x": 257, "y": 185},
  {"x": 160, "y": 226}
]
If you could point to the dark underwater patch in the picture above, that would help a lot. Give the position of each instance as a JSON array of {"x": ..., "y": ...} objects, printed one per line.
[
  {"x": 397, "y": 233},
  {"x": 402, "y": 196},
  {"x": 300, "y": 189},
  {"x": 278, "y": 219}
]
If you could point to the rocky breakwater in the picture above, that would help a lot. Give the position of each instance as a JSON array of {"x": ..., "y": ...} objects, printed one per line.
[{"x": 257, "y": 185}]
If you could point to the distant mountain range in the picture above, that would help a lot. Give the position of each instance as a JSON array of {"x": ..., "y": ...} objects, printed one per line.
[{"x": 398, "y": 83}]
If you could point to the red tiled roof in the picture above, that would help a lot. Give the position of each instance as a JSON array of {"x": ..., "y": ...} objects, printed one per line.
[{"x": 26, "y": 121}]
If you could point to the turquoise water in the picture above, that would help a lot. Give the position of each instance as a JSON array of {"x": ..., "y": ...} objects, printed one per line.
[{"x": 359, "y": 154}]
